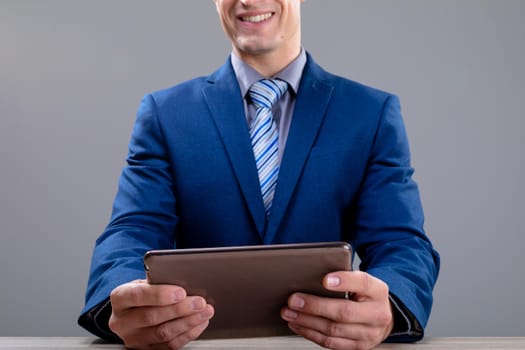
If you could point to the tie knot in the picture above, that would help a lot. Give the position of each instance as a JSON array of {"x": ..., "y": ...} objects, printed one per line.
[{"x": 266, "y": 92}]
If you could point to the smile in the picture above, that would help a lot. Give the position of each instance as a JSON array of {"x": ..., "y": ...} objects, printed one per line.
[{"x": 258, "y": 18}]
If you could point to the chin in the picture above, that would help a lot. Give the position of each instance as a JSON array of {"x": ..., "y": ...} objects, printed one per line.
[
  {"x": 254, "y": 50},
  {"x": 253, "y": 47}
]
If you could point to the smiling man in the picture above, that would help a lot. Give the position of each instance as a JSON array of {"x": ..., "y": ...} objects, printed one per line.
[
  {"x": 286, "y": 153},
  {"x": 264, "y": 35}
]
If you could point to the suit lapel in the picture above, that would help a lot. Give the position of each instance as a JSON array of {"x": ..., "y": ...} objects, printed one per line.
[
  {"x": 310, "y": 107},
  {"x": 226, "y": 106}
]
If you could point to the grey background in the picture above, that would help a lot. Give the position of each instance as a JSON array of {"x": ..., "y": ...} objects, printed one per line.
[{"x": 73, "y": 72}]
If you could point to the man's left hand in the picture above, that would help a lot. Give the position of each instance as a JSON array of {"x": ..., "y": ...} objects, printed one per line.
[{"x": 361, "y": 322}]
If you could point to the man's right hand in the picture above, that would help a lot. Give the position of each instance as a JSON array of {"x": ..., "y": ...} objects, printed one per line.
[{"x": 157, "y": 316}]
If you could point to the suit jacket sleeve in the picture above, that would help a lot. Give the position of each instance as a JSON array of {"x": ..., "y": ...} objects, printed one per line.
[
  {"x": 389, "y": 223},
  {"x": 143, "y": 212}
]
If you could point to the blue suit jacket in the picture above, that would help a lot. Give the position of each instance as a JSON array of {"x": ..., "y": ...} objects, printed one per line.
[{"x": 191, "y": 181}]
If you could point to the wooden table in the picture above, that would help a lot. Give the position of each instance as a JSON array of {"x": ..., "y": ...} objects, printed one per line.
[{"x": 278, "y": 343}]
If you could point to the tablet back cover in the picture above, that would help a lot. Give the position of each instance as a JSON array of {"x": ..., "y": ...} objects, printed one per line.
[{"x": 249, "y": 285}]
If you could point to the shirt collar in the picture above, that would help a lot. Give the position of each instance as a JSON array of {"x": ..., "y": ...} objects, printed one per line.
[{"x": 246, "y": 75}]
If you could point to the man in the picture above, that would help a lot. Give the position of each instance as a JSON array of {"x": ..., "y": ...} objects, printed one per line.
[{"x": 193, "y": 180}]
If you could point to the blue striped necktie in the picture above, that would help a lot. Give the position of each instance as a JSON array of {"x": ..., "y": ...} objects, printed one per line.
[{"x": 265, "y": 136}]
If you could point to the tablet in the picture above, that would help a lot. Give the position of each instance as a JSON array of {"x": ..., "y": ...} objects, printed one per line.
[{"x": 249, "y": 285}]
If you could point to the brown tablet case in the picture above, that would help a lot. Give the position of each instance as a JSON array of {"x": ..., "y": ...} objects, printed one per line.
[{"x": 249, "y": 285}]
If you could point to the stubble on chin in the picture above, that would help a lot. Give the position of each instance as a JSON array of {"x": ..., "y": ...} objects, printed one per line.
[{"x": 251, "y": 46}]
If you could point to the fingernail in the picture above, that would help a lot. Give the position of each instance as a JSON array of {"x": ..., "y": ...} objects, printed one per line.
[
  {"x": 206, "y": 314},
  {"x": 197, "y": 304},
  {"x": 290, "y": 314},
  {"x": 297, "y": 302},
  {"x": 333, "y": 281},
  {"x": 293, "y": 327},
  {"x": 178, "y": 295}
]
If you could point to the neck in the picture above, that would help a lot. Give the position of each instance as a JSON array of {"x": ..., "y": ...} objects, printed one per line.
[{"x": 268, "y": 64}]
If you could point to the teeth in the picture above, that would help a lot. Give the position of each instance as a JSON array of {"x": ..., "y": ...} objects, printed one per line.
[{"x": 258, "y": 18}]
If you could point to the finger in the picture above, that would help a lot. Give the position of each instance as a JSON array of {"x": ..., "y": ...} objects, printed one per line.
[
  {"x": 340, "y": 310},
  {"x": 170, "y": 331},
  {"x": 335, "y": 343},
  {"x": 359, "y": 283},
  {"x": 188, "y": 336},
  {"x": 149, "y": 316},
  {"x": 327, "y": 327},
  {"x": 137, "y": 293}
]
